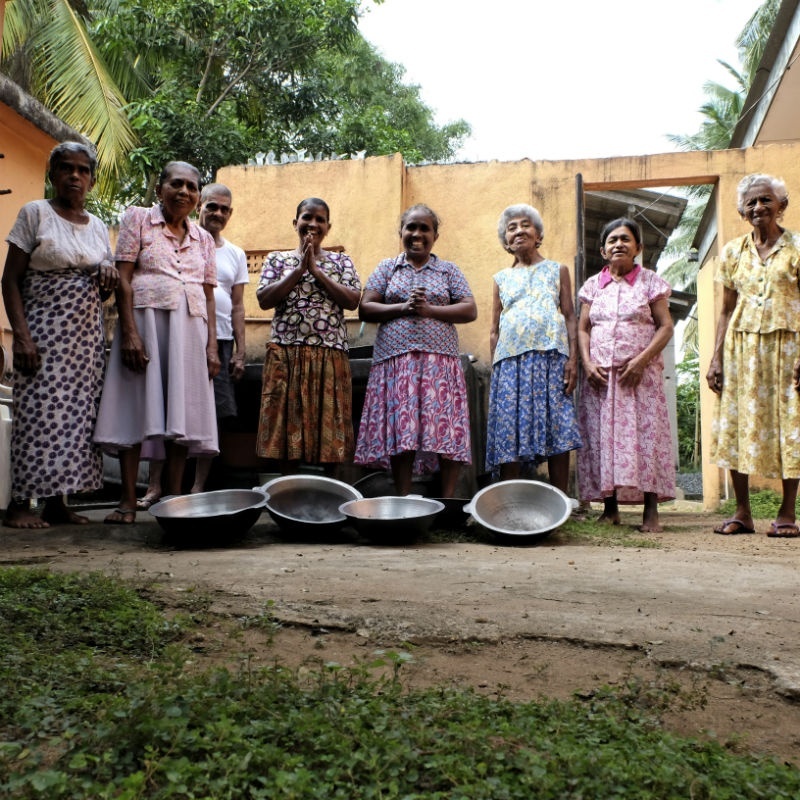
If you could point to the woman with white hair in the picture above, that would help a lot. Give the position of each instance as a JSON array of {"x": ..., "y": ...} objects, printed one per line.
[
  {"x": 755, "y": 368},
  {"x": 533, "y": 343}
]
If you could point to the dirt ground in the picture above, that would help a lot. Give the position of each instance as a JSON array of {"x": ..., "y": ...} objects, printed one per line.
[{"x": 702, "y": 628}]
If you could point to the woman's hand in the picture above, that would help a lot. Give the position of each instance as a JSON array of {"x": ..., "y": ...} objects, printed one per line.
[
  {"x": 236, "y": 366},
  {"x": 26, "y": 356},
  {"x": 308, "y": 259},
  {"x": 134, "y": 356},
  {"x": 631, "y": 371},
  {"x": 212, "y": 360},
  {"x": 597, "y": 376},
  {"x": 715, "y": 377},
  {"x": 570, "y": 376},
  {"x": 107, "y": 277},
  {"x": 418, "y": 304}
]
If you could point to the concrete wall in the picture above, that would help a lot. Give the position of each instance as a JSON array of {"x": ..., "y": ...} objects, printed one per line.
[
  {"x": 25, "y": 150},
  {"x": 367, "y": 197}
]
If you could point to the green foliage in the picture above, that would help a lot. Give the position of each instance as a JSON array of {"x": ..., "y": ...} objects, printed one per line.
[
  {"x": 688, "y": 401},
  {"x": 764, "y": 504},
  {"x": 159, "y": 731},
  {"x": 213, "y": 82}
]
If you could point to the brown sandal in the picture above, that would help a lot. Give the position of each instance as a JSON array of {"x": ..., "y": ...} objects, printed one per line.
[{"x": 121, "y": 516}]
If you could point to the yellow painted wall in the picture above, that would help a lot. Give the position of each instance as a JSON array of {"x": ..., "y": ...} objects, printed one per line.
[
  {"x": 25, "y": 150},
  {"x": 368, "y": 196}
]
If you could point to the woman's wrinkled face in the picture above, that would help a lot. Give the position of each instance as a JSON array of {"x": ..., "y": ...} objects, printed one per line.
[
  {"x": 620, "y": 247},
  {"x": 313, "y": 221},
  {"x": 72, "y": 178},
  {"x": 180, "y": 192},
  {"x": 418, "y": 235},
  {"x": 761, "y": 206},
  {"x": 521, "y": 233}
]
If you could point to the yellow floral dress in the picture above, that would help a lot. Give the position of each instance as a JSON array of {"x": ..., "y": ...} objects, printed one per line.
[{"x": 756, "y": 427}]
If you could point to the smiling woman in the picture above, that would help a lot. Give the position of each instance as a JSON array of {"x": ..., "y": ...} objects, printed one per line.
[
  {"x": 755, "y": 368},
  {"x": 533, "y": 342},
  {"x": 416, "y": 415},
  {"x": 627, "y": 454},
  {"x": 158, "y": 399},
  {"x": 306, "y": 399}
]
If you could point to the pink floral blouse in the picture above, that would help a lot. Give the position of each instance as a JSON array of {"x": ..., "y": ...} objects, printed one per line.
[{"x": 166, "y": 269}]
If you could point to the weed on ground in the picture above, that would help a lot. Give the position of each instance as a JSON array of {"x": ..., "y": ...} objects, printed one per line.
[{"x": 97, "y": 700}]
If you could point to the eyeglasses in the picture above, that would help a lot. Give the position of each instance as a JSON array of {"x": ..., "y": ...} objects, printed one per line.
[{"x": 217, "y": 207}]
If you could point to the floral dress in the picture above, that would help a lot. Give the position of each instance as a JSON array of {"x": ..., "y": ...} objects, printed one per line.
[
  {"x": 627, "y": 440},
  {"x": 756, "y": 428},
  {"x": 530, "y": 417}
]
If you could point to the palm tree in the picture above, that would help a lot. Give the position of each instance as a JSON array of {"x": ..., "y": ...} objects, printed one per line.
[
  {"x": 48, "y": 50},
  {"x": 722, "y": 111}
]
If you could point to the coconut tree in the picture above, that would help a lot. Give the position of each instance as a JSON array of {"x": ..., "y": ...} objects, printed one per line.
[{"x": 49, "y": 51}]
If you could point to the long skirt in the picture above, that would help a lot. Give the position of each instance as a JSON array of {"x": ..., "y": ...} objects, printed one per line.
[
  {"x": 530, "y": 418},
  {"x": 627, "y": 440},
  {"x": 756, "y": 428},
  {"x": 173, "y": 399},
  {"x": 415, "y": 401},
  {"x": 306, "y": 405},
  {"x": 55, "y": 409}
]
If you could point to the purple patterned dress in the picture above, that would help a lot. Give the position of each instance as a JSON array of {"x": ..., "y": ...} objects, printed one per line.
[{"x": 416, "y": 396}]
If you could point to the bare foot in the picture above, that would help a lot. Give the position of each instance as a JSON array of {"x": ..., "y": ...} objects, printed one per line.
[
  {"x": 648, "y": 527},
  {"x": 151, "y": 498},
  {"x": 19, "y": 515},
  {"x": 57, "y": 513}
]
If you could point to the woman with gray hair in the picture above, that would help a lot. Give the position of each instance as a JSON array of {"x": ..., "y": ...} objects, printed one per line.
[
  {"x": 755, "y": 367},
  {"x": 57, "y": 272},
  {"x": 533, "y": 343}
]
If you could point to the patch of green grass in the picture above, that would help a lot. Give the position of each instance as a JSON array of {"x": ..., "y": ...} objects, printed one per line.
[
  {"x": 599, "y": 533},
  {"x": 764, "y": 503},
  {"x": 122, "y": 726}
]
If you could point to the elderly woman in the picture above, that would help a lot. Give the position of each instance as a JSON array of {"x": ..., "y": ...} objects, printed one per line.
[
  {"x": 158, "y": 398},
  {"x": 755, "y": 368},
  {"x": 57, "y": 270},
  {"x": 416, "y": 413},
  {"x": 534, "y": 346},
  {"x": 306, "y": 400},
  {"x": 627, "y": 454}
]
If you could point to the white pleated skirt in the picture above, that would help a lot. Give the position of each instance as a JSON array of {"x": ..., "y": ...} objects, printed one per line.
[{"x": 173, "y": 399}]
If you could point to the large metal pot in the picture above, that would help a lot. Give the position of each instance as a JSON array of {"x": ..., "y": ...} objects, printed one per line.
[
  {"x": 308, "y": 503},
  {"x": 210, "y": 516},
  {"x": 392, "y": 520},
  {"x": 520, "y": 511}
]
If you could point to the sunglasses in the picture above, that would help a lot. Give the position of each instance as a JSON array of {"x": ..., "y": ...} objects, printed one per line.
[{"x": 217, "y": 207}]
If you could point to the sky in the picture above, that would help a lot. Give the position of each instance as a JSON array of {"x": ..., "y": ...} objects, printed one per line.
[{"x": 564, "y": 79}]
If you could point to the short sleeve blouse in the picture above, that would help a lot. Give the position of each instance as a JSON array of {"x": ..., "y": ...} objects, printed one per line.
[
  {"x": 54, "y": 243},
  {"x": 621, "y": 317},
  {"x": 768, "y": 289},
  {"x": 308, "y": 315},
  {"x": 531, "y": 317},
  {"x": 394, "y": 279},
  {"x": 167, "y": 269}
]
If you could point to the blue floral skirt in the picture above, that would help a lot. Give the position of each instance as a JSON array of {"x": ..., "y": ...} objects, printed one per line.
[{"x": 530, "y": 417}]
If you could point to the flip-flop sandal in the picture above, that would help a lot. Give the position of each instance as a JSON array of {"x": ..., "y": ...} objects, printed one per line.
[
  {"x": 123, "y": 514},
  {"x": 783, "y": 530},
  {"x": 739, "y": 527}
]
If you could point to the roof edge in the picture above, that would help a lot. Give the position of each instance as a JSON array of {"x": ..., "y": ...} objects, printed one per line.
[{"x": 33, "y": 111}]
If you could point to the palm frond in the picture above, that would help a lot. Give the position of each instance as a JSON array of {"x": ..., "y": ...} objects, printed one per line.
[{"x": 68, "y": 57}]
